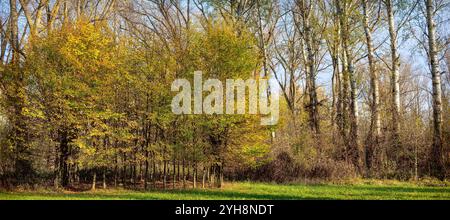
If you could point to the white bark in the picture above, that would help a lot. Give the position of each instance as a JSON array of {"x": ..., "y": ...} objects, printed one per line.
[
  {"x": 375, "y": 127},
  {"x": 437, "y": 168},
  {"x": 395, "y": 65}
]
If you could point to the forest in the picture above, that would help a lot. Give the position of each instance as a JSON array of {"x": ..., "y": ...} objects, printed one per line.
[{"x": 85, "y": 92}]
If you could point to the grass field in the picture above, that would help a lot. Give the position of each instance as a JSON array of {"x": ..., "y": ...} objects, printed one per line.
[{"x": 255, "y": 191}]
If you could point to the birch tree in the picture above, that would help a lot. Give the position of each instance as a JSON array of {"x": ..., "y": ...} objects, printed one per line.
[
  {"x": 437, "y": 162},
  {"x": 395, "y": 75},
  {"x": 375, "y": 122}
]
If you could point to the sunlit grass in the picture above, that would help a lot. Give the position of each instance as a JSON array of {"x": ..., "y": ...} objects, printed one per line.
[{"x": 256, "y": 191}]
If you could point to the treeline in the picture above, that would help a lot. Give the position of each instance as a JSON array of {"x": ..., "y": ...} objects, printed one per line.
[{"x": 85, "y": 91}]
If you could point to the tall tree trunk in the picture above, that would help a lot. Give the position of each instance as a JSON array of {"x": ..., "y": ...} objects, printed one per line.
[
  {"x": 395, "y": 86},
  {"x": 165, "y": 174},
  {"x": 195, "y": 175},
  {"x": 178, "y": 171},
  {"x": 64, "y": 157},
  {"x": 94, "y": 180},
  {"x": 146, "y": 168},
  {"x": 154, "y": 169},
  {"x": 124, "y": 168},
  {"x": 375, "y": 124},
  {"x": 184, "y": 173},
  {"x": 116, "y": 170},
  {"x": 203, "y": 177},
  {"x": 174, "y": 174},
  {"x": 354, "y": 136},
  {"x": 311, "y": 44},
  {"x": 349, "y": 78},
  {"x": 23, "y": 167},
  {"x": 437, "y": 162},
  {"x": 340, "y": 117},
  {"x": 104, "y": 177}
]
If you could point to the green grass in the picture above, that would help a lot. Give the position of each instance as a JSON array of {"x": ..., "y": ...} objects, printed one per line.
[{"x": 256, "y": 191}]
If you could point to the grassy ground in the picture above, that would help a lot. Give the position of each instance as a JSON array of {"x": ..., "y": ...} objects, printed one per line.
[{"x": 255, "y": 191}]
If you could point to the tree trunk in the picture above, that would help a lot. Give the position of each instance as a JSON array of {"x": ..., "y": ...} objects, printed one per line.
[
  {"x": 23, "y": 167},
  {"x": 375, "y": 124},
  {"x": 178, "y": 171},
  {"x": 352, "y": 151},
  {"x": 311, "y": 70},
  {"x": 63, "y": 158},
  {"x": 116, "y": 170},
  {"x": 124, "y": 170},
  {"x": 94, "y": 180},
  {"x": 174, "y": 173},
  {"x": 195, "y": 176},
  {"x": 153, "y": 177},
  {"x": 165, "y": 174},
  {"x": 184, "y": 174},
  {"x": 104, "y": 178},
  {"x": 437, "y": 163},
  {"x": 204, "y": 177},
  {"x": 146, "y": 169},
  {"x": 395, "y": 86}
]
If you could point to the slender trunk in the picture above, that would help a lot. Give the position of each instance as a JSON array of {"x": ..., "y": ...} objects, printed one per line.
[
  {"x": 104, "y": 178},
  {"x": 124, "y": 170},
  {"x": 352, "y": 151},
  {"x": 195, "y": 176},
  {"x": 208, "y": 175},
  {"x": 375, "y": 124},
  {"x": 133, "y": 176},
  {"x": 63, "y": 158},
  {"x": 311, "y": 72},
  {"x": 178, "y": 171},
  {"x": 153, "y": 177},
  {"x": 56, "y": 181},
  {"x": 437, "y": 161},
  {"x": 184, "y": 174},
  {"x": 23, "y": 167},
  {"x": 221, "y": 176},
  {"x": 354, "y": 146},
  {"x": 204, "y": 177},
  {"x": 146, "y": 169},
  {"x": 342, "y": 106},
  {"x": 115, "y": 171},
  {"x": 188, "y": 170},
  {"x": 165, "y": 174},
  {"x": 335, "y": 92},
  {"x": 395, "y": 86},
  {"x": 173, "y": 173},
  {"x": 14, "y": 37},
  {"x": 213, "y": 176},
  {"x": 141, "y": 172},
  {"x": 94, "y": 180}
]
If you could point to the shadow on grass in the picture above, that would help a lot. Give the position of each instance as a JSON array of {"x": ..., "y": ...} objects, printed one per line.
[
  {"x": 163, "y": 195},
  {"x": 244, "y": 192},
  {"x": 401, "y": 189}
]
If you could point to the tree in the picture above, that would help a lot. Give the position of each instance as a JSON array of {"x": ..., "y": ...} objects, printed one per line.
[
  {"x": 437, "y": 163},
  {"x": 68, "y": 67},
  {"x": 15, "y": 92},
  {"x": 394, "y": 68},
  {"x": 344, "y": 12},
  {"x": 375, "y": 122}
]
